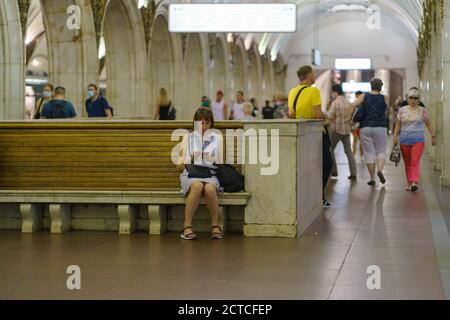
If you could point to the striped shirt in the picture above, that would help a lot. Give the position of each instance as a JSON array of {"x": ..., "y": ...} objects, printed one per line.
[{"x": 340, "y": 112}]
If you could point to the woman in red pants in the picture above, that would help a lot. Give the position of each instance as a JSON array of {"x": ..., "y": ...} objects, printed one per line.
[{"x": 411, "y": 123}]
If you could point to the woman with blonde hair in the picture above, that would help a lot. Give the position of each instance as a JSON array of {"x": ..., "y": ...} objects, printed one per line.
[
  {"x": 164, "y": 108},
  {"x": 247, "y": 108}
]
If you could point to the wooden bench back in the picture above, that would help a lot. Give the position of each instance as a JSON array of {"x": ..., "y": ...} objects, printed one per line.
[{"x": 90, "y": 155}]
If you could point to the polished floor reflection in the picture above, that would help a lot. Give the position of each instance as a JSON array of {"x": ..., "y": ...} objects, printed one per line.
[{"x": 386, "y": 227}]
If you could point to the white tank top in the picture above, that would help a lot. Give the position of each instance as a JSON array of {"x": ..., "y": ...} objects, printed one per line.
[
  {"x": 238, "y": 111},
  {"x": 217, "y": 109}
]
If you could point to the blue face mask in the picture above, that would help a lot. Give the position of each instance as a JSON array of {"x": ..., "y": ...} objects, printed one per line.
[
  {"x": 91, "y": 93},
  {"x": 47, "y": 94}
]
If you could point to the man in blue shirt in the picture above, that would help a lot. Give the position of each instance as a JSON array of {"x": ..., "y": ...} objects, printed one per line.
[
  {"x": 96, "y": 105},
  {"x": 58, "y": 108}
]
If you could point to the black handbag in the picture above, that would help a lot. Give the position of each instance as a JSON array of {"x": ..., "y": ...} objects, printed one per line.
[
  {"x": 198, "y": 172},
  {"x": 396, "y": 155},
  {"x": 230, "y": 179}
]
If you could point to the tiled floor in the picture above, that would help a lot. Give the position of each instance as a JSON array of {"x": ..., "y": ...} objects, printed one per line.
[{"x": 387, "y": 227}]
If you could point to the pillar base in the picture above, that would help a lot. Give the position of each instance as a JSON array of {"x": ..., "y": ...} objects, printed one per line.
[
  {"x": 445, "y": 181},
  {"x": 270, "y": 230}
]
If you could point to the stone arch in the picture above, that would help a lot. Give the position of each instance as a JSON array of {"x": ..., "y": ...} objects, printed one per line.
[
  {"x": 279, "y": 74},
  {"x": 195, "y": 76},
  {"x": 72, "y": 53},
  {"x": 221, "y": 71},
  {"x": 161, "y": 58},
  {"x": 12, "y": 72},
  {"x": 177, "y": 93},
  {"x": 126, "y": 59},
  {"x": 268, "y": 78},
  {"x": 254, "y": 71},
  {"x": 239, "y": 69}
]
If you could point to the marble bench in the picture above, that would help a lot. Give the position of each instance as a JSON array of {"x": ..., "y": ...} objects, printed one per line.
[
  {"x": 32, "y": 201},
  {"x": 129, "y": 163}
]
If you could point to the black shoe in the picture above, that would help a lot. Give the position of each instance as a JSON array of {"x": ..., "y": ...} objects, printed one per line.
[
  {"x": 381, "y": 176},
  {"x": 372, "y": 183},
  {"x": 353, "y": 178},
  {"x": 326, "y": 204},
  {"x": 414, "y": 188}
]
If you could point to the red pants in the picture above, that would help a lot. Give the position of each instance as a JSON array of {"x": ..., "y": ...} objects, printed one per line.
[{"x": 411, "y": 156}]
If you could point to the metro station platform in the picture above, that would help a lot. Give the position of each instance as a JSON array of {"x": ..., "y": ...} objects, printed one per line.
[{"x": 405, "y": 234}]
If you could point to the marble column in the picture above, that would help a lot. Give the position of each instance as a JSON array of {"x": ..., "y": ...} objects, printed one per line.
[
  {"x": 438, "y": 90},
  {"x": 72, "y": 51},
  {"x": 12, "y": 66},
  {"x": 445, "y": 177},
  {"x": 431, "y": 70}
]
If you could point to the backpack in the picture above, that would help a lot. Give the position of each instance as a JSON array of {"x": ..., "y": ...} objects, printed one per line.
[
  {"x": 230, "y": 179},
  {"x": 58, "y": 111}
]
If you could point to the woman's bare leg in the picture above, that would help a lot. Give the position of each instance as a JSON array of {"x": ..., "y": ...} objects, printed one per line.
[
  {"x": 212, "y": 202},
  {"x": 192, "y": 202}
]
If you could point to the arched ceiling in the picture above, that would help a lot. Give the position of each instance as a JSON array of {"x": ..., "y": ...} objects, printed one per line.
[{"x": 407, "y": 13}]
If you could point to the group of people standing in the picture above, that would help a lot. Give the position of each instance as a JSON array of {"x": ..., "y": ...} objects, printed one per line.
[
  {"x": 241, "y": 109},
  {"x": 370, "y": 111},
  {"x": 53, "y": 104}
]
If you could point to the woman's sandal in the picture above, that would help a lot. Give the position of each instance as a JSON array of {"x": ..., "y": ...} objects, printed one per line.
[
  {"x": 216, "y": 235},
  {"x": 189, "y": 236}
]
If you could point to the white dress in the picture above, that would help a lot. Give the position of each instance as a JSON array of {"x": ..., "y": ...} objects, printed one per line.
[{"x": 211, "y": 145}]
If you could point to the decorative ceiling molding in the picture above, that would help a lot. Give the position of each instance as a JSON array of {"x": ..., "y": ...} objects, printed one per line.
[
  {"x": 98, "y": 10},
  {"x": 148, "y": 17},
  {"x": 24, "y": 6}
]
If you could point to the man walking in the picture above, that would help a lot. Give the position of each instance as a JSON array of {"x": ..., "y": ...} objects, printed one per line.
[
  {"x": 341, "y": 115},
  {"x": 305, "y": 103}
]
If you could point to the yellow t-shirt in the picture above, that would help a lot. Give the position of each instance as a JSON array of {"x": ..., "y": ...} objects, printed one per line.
[{"x": 309, "y": 98}]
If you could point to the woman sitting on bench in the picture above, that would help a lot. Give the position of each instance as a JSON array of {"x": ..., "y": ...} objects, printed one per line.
[{"x": 199, "y": 152}]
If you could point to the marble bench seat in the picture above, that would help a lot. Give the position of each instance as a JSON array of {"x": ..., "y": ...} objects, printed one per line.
[{"x": 60, "y": 201}]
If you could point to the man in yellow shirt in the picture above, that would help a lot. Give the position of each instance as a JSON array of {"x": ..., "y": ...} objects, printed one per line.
[{"x": 305, "y": 103}]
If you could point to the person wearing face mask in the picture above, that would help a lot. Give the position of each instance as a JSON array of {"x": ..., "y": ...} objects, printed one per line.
[
  {"x": 47, "y": 96},
  {"x": 96, "y": 105},
  {"x": 281, "y": 109}
]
